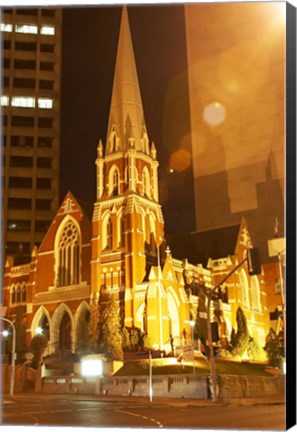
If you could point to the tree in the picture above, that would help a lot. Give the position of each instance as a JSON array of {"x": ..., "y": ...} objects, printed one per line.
[
  {"x": 274, "y": 349},
  {"x": 110, "y": 334},
  {"x": 20, "y": 332},
  {"x": 241, "y": 337},
  {"x": 93, "y": 326},
  {"x": 82, "y": 336},
  {"x": 126, "y": 344},
  {"x": 37, "y": 346}
]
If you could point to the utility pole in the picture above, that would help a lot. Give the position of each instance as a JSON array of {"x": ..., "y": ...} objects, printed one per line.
[{"x": 12, "y": 355}]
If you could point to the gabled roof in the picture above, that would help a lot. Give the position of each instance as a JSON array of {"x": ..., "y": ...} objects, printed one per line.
[{"x": 199, "y": 246}]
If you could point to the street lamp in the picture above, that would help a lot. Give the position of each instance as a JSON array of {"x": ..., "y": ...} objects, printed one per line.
[
  {"x": 13, "y": 354},
  {"x": 192, "y": 324}
]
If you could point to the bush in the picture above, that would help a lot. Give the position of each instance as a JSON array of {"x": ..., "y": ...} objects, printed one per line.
[
  {"x": 241, "y": 338},
  {"x": 254, "y": 351},
  {"x": 37, "y": 346},
  {"x": 274, "y": 349}
]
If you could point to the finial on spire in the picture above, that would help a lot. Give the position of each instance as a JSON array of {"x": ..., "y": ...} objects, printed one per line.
[
  {"x": 153, "y": 151},
  {"x": 100, "y": 149}
]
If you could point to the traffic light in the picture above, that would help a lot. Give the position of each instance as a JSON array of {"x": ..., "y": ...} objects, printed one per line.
[{"x": 253, "y": 261}]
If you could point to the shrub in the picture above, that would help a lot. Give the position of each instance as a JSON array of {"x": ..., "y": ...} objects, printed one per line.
[{"x": 37, "y": 346}]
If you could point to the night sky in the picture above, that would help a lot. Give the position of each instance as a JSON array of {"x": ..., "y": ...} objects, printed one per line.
[{"x": 90, "y": 36}]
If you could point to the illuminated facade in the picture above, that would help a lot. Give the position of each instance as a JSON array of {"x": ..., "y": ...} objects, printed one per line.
[
  {"x": 122, "y": 251},
  {"x": 30, "y": 103}
]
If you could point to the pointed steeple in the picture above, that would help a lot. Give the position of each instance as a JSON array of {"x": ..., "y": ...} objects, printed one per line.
[{"x": 126, "y": 119}]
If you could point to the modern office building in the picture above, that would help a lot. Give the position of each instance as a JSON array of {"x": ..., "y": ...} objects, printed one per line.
[
  {"x": 236, "y": 68},
  {"x": 30, "y": 105}
]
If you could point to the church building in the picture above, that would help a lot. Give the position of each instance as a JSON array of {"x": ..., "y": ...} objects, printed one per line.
[{"x": 121, "y": 248}]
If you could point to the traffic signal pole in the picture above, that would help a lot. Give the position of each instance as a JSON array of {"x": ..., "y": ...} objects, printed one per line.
[{"x": 209, "y": 293}]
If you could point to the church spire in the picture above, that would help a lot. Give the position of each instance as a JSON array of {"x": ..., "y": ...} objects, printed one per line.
[{"x": 126, "y": 126}]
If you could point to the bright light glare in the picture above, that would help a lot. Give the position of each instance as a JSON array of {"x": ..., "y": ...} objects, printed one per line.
[
  {"x": 92, "y": 367},
  {"x": 192, "y": 323},
  {"x": 38, "y": 330},
  {"x": 5, "y": 333},
  {"x": 284, "y": 367},
  {"x": 214, "y": 114}
]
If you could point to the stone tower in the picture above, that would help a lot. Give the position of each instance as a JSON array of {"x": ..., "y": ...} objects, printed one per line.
[{"x": 128, "y": 225}]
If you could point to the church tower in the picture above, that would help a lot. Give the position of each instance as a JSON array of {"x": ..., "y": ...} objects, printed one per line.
[{"x": 128, "y": 225}]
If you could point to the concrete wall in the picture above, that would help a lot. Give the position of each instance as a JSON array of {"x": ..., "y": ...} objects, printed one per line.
[{"x": 176, "y": 386}]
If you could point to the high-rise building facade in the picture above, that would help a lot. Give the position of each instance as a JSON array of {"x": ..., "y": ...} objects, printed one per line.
[
  {"x": 236, "y": 70},
  {"x": 30, "y": 105}
]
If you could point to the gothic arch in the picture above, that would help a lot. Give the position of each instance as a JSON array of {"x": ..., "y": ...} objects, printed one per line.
[
  {"x": 67, "y": 252},
  {"x": 146, "y": 182},
  {"x": 121, "y": 218},
  {"x": 255, "y": 289},
  {"x": 173, "y": 307},
  {"x": 114, "y": 181},
  {"x": 140, "y": 316},
  {"x": 244, "y": 291},
  {"x": 82, "y": 309},
  {"x": 56, "y": 323},
  {"x": 39, "y": 314},
  {"x": 107, "y": 231}
]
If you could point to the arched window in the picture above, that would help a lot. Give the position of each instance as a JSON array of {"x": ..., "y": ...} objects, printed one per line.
[
  {"x": 244, "y": 288},
  {"x": 13, "y": 294},
  {"x": 69, "y": 255},
  {"x": 114, "y": 181},
  {"x": 109, "y": 233},
  {"x": 18, "y": 294},
  {"x": 256, "y": 300},
  {"x": 24, "y": 294},
  {"x": 121, "y": 230},
  {"x": 146, "y": 186}
]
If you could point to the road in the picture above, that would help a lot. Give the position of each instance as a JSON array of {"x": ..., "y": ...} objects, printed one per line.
[{"x": 139, "y": 414}]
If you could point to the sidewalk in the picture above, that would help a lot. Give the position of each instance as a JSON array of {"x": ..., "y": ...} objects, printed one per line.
[{"x": 182, "y": 402}]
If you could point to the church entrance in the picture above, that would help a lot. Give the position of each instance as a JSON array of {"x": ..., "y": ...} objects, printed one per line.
[{"x": 65, "y": 333}]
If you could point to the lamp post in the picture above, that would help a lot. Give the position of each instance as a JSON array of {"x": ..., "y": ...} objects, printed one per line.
[
  {"x": 192, "y": 324},
  {"x": 12, "y": 356}
]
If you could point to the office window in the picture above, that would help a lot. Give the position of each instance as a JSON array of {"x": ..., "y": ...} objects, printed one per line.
[
  {"x": 43, "y": 204},
  {"x": 44, "y": 162},
  {"x": 48, "y": 48},
  {"x": 25, "y": 64},
  {"x": 5, "y": 81},
  {"x": 6, "y": 27},
  {"x": 21, "y": 161},
  {"x": 24, "y": 83},
  {"x": 47, "y": 30},
  {"x": 19, "y": 121},
  {"x": 46, "y": 66},
  {"x": 4, "y": 100},
  {"x": 26, "y": 28},
  {"x": 6, "y": 44},
  {"x": 42, "y": 225},
  {"x": 48, "y": 12},
  {"x": 45, "y": 142},
  {"x": 44, "y": 103},
  {"x": 24, "y": 102},
  {"x": 46, "y": 85},
  {"x": 44, "y": 122},
  {"x": 27, "y": 11},
  {"x": 43, "y": 183},
  {"x": 20, "y": 182},
  {"x": 6, "y": 63},
  {"x": 18, "y": 225},
  {"x": 25, "y": 46},
  {"x": 22, "y": 141},
  {"x": 19, "y": 203}
]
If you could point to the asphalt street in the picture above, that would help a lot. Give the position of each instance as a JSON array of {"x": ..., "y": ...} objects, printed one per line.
[{"x": 139, "y": 414}]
